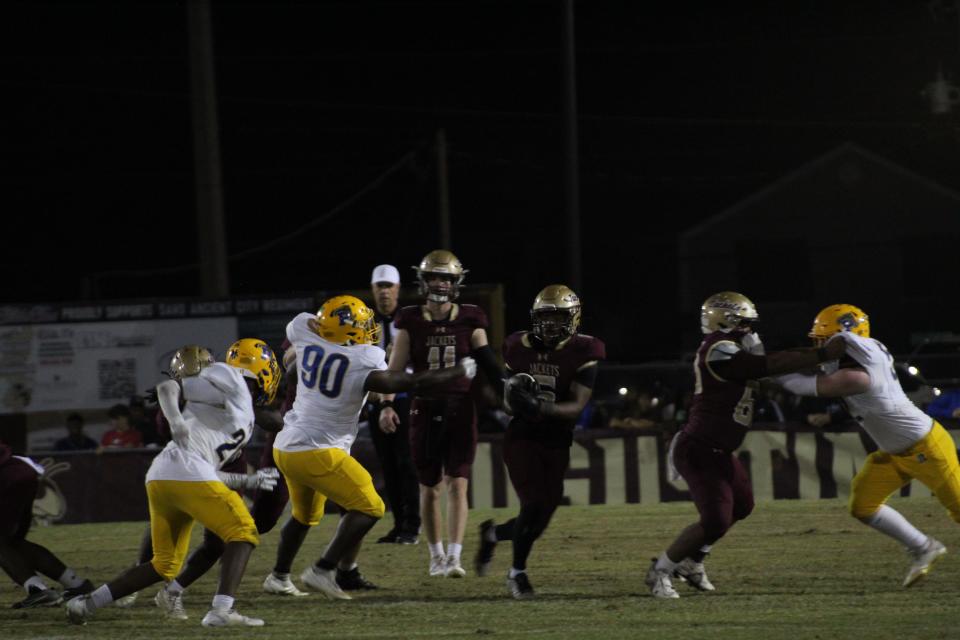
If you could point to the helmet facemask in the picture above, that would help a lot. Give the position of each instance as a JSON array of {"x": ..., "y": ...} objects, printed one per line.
[
  {"x": 446, "y": 290},
  {"x": 553, "y": 326}
]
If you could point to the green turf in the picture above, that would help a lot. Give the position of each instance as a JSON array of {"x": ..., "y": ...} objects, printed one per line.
[{"x": 794, "y": 569}]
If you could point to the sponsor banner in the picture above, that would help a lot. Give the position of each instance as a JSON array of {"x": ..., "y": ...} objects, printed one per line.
[
  {"x": 93, "y": 365},
  {"x": 606, "y": 467},
  {"x": 14, "y": 314}
]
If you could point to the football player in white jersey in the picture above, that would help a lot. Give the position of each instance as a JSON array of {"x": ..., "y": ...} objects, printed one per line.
[
  {"x": 911, "y": 444},
  {"x": 338, "y": 362},
  {"x": 183, "y": 484}
]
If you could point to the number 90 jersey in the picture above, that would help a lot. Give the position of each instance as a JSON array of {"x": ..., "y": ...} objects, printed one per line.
[
  {"x": 330, "y": 393},
  {"x": 441, "y": 343},
  {"x": 219, "y": 416}
]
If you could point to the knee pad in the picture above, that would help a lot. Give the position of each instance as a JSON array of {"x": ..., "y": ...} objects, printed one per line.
[{"x": 167, "y": 568}]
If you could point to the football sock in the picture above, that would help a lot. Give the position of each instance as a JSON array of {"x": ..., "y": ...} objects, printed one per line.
[
  {"x": 699, "y": 556},
  {"x": 174, "y": 588},
  {"x": 665, "y": 564},
  {"x": 515, "y": 572},
  {"x": 436, "y": 549},
  {"x": 504, "y": 531},
  {"x": 100, "y": 597},
  {"x": 223, "y": 603},
  {"x": 454, "y": 550},
  {"x": 889, "y": 521},
  {"x": 326, "y": 565},
  {"x": 526, "y": 530},
  {"x": 349, "y": 567},
  {"x": 281, "y": 576},
  {"x": 34, "y": 582},
  {"x": 69, "y": 579},
  {"x": 291, "y": 539}
]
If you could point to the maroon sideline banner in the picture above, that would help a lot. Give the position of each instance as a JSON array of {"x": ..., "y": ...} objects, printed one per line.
[{"x": 609, "y": 466}]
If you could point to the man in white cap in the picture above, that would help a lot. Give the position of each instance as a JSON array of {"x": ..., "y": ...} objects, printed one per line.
[{"x": 393, "y": 448}]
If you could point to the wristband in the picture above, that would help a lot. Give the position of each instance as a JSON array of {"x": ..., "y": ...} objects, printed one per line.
[{"x": 386, "y": 403}]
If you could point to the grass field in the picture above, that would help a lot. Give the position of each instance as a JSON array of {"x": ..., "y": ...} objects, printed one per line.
[{"x": 794, "y": 569}]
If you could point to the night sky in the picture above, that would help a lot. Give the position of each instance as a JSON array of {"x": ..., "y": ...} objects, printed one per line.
[{"x": 684, "y": 110}]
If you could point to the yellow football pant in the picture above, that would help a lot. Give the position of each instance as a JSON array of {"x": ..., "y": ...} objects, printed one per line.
[
  {"x": 932, "y": 461},
  {"x": 315, "y": 475},
  {"x": 175, "y": 504}
]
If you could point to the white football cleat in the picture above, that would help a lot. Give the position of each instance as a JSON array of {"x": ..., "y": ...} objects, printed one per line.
[
  {"x": 126, "y": 601},
  {"x": 694, "y": 574},
  {"x": 659, "y": 582},
  {"x": 273, "y": 584},
  {"x": 229, "y": 618},
  {"x": 323, "y": 581},
  {"x": 438, "y": 566},
  {"x": 171, "y": 605},
  {"x": 454, "y": 570},
  {"x": 923, "y": 560},
  {"x": 77, "y": 611}
]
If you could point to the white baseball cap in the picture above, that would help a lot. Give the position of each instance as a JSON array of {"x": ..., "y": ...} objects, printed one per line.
[{"x": 385, "y": 273}]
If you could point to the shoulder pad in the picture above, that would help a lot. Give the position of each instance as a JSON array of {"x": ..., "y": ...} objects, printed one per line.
[{"x": 723, "y": 350}]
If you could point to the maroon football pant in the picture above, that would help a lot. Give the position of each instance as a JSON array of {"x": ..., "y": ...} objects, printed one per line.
[
  {"x": 18, "y": 488},
  {"x": 719, "y": 485},
  {"x": 536, "y": 471},
  {"x": 443, "y": 437}
]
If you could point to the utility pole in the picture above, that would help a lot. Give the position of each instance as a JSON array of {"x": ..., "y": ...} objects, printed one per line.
[
  {"x": 571, "y": 179},
  {"x": 211, "y": 236},
  {"x": 443, "y": 190}
]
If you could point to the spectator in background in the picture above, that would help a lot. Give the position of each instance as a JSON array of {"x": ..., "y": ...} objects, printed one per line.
[
  {"x": 141, "y": 421},
  {"x": 641, "y": 411},
  {"x": 946, "y": 406},
  {"x": 76, "y": 439},
  {"x": 121, "y": 434}
]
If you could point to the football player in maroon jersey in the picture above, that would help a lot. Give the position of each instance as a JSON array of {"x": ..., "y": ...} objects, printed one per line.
[
  {"x": 560, "y": 366},
  {"x": 443, "y": 424},
  {"x": 24, "y": 561},
  {"x": 728, "y": 362}
]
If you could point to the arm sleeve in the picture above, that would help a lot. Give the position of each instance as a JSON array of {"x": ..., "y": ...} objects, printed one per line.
[{"x": 587, "y": 375}]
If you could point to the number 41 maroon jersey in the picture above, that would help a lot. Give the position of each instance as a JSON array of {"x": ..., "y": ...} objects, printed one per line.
[{"x": 441, "y": 343}]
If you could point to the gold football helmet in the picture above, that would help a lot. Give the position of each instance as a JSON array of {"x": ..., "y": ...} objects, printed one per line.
[
  {"x": 839, "y": 317},
  {"x": 555, "y": 315},
  {"x": 444, "y": 263},
  {"x": 347, "y": 320},
  {"x": 189, "y": 360},
  {"x": 726, "y": 311},
  {"x": 257, "y": 361}
]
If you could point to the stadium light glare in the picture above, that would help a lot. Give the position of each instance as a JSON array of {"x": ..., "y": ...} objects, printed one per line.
[{"x": 622, "y": 391}]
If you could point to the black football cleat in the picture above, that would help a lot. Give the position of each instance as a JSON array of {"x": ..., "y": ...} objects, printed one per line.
[
  {"x": 390, "y": 537},
  {"x": 82, "y": 590},
  {"x": 37, "y": 597},
  {"x": 520, "y": 587},
  {"x": 484, "y": 557},
  {"x": 353, "y": 580}
]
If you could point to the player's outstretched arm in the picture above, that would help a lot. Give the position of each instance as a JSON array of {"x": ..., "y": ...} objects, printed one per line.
[
  {"x": 390, "y": 381},
  {"x": 747, "y": 366},
  {"x": 845, "y": 382},
  {"x": 168, "y": 397}
]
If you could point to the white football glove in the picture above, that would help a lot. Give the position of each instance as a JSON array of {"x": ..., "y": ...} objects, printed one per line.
[
  {"x": 752, "y": 343},
  {"x": 265, "y": 479},
  {"x": 469, "y": 367}
]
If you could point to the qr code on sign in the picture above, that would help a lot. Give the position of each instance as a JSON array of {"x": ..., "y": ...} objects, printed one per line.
[{"x": 118, "y": 378}]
